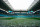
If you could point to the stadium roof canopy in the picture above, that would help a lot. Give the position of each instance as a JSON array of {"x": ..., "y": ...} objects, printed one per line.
[
  {"x": 4, "y": 6},
  {"x": 36, "y": 6}
]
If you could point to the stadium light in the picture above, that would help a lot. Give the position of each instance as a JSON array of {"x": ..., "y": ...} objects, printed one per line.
[{"x": 20, "y": 4}]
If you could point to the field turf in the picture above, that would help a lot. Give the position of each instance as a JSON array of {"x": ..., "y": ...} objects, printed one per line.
[{"x": 20, "y": 21}]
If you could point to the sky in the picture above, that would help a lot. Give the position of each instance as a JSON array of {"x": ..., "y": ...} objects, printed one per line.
[{"x": 20, "y": 4}]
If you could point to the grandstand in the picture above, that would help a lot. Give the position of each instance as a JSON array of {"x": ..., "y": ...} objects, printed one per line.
[{"x": 5, "y": 9}]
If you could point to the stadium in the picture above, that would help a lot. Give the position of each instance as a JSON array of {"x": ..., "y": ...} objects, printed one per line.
[{"x": 11, "y": 16}]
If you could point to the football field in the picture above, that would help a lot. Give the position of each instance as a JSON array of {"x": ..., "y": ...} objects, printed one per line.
[{"x": 20, "y": 21}]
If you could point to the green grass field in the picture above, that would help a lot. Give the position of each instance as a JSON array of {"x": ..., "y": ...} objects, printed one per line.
[
  {"x": 20, "y": 21},
  {"x": 7, "y": 18},
  {"x": 15, "y": 18}
]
